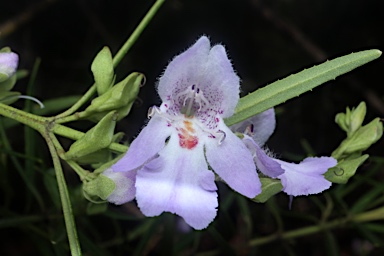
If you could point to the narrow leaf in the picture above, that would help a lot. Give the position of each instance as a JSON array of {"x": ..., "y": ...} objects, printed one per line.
[{"x": 294, "y": 85}]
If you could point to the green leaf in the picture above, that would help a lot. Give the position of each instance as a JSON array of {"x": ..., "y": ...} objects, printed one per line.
[
  {"x": 269, "y": 188},
  {"x": 362, "y": 204},
  {"x": 344, "y": 169},
  {"x": 294, "y": 85}
]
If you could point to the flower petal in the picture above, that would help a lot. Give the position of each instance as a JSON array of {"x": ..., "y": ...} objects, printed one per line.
[
  {"x": 263, "y": 126},
  {"x": 267, "y": 165},
  {"x": 306, "y": 177},
  {"x": 149, "y": 142},
  {"x": 220, "y": 84},
  {"x": 182, "y": 68},
  {"x": 125, "y": 190},
  {"x": 233, "y": 162},
  {"x": 178, "y": 181}
]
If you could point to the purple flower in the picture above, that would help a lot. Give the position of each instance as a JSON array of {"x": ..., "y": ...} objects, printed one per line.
[
  {"x": 8, "y": 63},
  {"x": 304, "y": 178},
  {"x": 168, "y": 161}
]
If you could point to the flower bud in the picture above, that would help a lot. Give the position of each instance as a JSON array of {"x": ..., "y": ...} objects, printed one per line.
[
  {"x": 97, "y": 138},
  {"x": 101, "y": 156},
  {"x": 8, "y": 63},
  {"x": 120, "y": 98},
  {"x": 357, "y": 118},
  {"x": 365, "y": 136},
  {"x": 102, "y": 69},
  {"x": 361, "y": 139},
  {"x": 340, "y": 119},
  {"x": 352, "y": 120}
]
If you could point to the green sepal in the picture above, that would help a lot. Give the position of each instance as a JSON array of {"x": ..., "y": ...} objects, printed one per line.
[
  {"x": 3, "y": 77},
  {"x": 98, "y": 158},
  {"x": 361, "y": 139},
  {"x": 121, "y": 113},
  {"x": 98, "y": 189},
  {"x": 5, "y": 49},
  {"x": 97, "y": 138},
  {"x": 8, "y": 97},
  {"x": 7, "y": 83},
  {"x": 344, "y": 169},
  {"x": 120, "y": 98},
  {"x": 269, "y": 188},
  {"x": 102, "y": 69}
]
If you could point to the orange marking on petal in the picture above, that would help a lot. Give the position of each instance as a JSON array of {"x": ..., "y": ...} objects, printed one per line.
[
  {"x": 188, "y": 126},
  {"x": 186, "y": 139}
]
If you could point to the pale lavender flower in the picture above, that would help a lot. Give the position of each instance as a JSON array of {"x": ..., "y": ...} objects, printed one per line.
[
  {"x": 304, "y": 178},
  {"x": 168, "y": 161},
  {"x": 8, "y": 63}
]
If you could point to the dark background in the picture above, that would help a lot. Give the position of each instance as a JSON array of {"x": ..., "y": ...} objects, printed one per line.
[{"x": 266, "y": 41}]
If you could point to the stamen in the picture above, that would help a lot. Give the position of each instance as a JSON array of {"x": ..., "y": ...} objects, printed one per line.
[
  {"x": 191, "y": 96},
  {"x": 222, "y": 136},
  {"x": 249, "y": 130},
  {"x": 152, "y": 111},
  {"x": 200, "y": 97},
  {"x": 186, "y": 92},
  {"x": 31, "y": 98}
]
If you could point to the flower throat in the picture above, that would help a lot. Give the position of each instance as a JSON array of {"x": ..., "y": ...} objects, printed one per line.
[{"x": 194, "y": 101}]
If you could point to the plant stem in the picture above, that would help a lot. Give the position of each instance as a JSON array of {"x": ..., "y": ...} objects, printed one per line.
[
  {"x": 298, "y": 232},
  {"x": 375, "y": 214},
  {"x": 137, "y": 32},
  {"x": 118, "y": 57},
  {"x": 86, "y": 97},
  {"x": 74, "y": 117},
  {"x": 83, "y": 174},
  {"x": 65, "y": 200},
  {"x": 36, "y": 122}
]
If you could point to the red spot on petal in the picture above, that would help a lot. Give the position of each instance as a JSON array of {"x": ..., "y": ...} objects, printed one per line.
[{"x": 188, "y": 141}]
